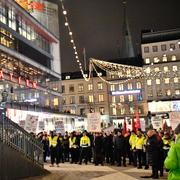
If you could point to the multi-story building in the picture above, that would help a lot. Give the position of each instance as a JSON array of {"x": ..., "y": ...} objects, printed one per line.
[
  {"x": 29, "y": 60},
  {"x": 161, "y": 54},
  {"x": 81, "y": 97}
]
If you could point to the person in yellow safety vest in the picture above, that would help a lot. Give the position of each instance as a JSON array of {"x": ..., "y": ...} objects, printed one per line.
[
  {"x": 139, "y": 148},
  {"x": 84, "y": 144},
  {"x": 73, "y": 148},
  {"x": 132, "y": 142},
  {"x": 167, "y": 142},
  {"x": 53, "y": 148}
]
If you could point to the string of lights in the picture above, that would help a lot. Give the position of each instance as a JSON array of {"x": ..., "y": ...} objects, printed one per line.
[{"x": 85, "y": 76}]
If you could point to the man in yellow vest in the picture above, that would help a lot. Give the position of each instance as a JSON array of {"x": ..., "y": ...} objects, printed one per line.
[
  {"x": 73, "y": 145},
  {"x": 132, "y": 142},
  {"x": 84, "y": 144},
  {"x": 53, "y": 148}
]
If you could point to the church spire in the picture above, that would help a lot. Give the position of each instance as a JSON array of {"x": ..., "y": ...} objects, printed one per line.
[{"x": 127, "y": 49}]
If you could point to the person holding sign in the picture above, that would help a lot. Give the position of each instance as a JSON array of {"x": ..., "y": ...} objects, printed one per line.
[{"x": 84, "y": 144}]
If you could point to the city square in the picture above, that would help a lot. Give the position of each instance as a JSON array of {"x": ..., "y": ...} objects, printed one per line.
[{"x": 89, "y": 89}]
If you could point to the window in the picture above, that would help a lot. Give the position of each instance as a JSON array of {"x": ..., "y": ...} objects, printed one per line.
[
  {"x": 147, "y": 60},
  {"x": 164, "y": 58},
  {"x": 72, "y": 99},
  {"x": 149, "y": 82},
  {"x": 155, "y": 48},
  {"x": 168, "y": 92},
  {"x": 81, "y": 99},
  {"x": 148, "y": 70},
  {"x": 71, "y": 88},
  {"x": 130, "y": 97},
  {"x": 114, "y": 112},
  {"x": 166, "y": 80},
  {"x": 138, "y": 85},
  {"x": 156, "y": 59},
  {"x": 176, "y": 80},
  {"x": 177, "y": 92},
  {"x": 166, "y": 69},
  {"x": 67, "y": 77},
  {"x": 2, "y": 13},
  {"x": 112, "y": 87},
  {"x": 150, "y": 93},
  {"x": 63, "y": 88},
  {"x": 73, "y": 110},
  {"x": 122, "y": 111},
  {"x": 63, "y": 100},
  {"x": 113, "y": 99},
  {"x": 163, "y": 47},
  {"x": 159, "y": 93},
  {"x": 172, "y": 47},
  {"x": 174, "y": 68},
  {"x": 173, "y": 58},
  {"x": 11, "y": 18},
  {"x": 80, "y": 87},
  {"x": 158, "y": 81},
  {"x": 100, "y": 85},
  {"x": 90, "y": 87},
  {"x": 146, "y": 49},
  {"x": 121, "y": 87},
  {"x": 121, "y": 98},
  {"x": 90, "y": 98},
  {"x": 102, "y": 110},
  {"x": 129, "y": 85},
  {"x": 156, "y": 69},
  {"x": 101, "y": 97},
  {"x": 56, "y": 102},
  {"x": 82, "y": 112}
]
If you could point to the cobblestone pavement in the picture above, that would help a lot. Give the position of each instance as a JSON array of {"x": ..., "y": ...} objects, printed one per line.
[{"x": 68, "y": 171}]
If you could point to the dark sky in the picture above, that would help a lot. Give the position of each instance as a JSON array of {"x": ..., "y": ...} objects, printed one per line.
[{"x": 97, "y": 25}]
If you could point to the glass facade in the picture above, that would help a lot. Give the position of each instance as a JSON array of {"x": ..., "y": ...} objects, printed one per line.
[{"x": 18, "y": 23}]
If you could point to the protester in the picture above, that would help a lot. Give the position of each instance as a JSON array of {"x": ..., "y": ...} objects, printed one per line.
[
  {"x": 45, "y": 143},
  {"x": 73, "y": 145},
  {"x": 172, "y": 162}
]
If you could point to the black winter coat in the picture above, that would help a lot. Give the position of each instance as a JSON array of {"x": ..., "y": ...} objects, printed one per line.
[{"x": 119, "y": 142}]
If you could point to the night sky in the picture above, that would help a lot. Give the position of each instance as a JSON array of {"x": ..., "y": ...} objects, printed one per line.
[{"x": 97, "y": 26}]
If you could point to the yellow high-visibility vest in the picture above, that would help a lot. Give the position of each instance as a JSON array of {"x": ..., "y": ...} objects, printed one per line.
[
  {"x": 53, "y": 141},
  {"x": 85, "y": 141},
  {"x": 139, "y": 142},
  {"x": 72, "y": 142},
  {"x": 132, "y": 141}
]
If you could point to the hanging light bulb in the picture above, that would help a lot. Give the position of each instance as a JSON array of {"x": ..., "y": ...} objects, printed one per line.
[
  {"x": 77, "y": 61},
  {"x": 70, "y": 33},
  {"x": 64, "y": 12},
  {"x": 75, "y": 52},
  {"x": 74, "y": 47},
  {"x": 72, "y": 40},
  {"x": 66, "y": 24},
  {"x": 76, "y": 57}
]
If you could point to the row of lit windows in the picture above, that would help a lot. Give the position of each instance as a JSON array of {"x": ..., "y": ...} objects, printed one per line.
[
  {"x": 163, "y": 47},
  {"x": 161, "y": 81},
  {"x": 168, "y": 92},
  {"x": 17, "y": 23},
  {"x": 81, "y": 87},
  {"x": 82, "y": 100},
  {"x": 121, "y": 98},
  {"x": 129, "y": 86},
  {"x": 163, "y": 59},
  {"x": 165, "y": 69}
]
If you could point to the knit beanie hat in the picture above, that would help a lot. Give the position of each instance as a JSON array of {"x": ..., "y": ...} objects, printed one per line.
[{"x": 177, "y": 129}]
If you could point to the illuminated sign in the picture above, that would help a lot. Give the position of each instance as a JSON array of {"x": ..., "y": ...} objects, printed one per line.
[
  {"x": 19, "y": 80},
  {"x": 137, "y": 91},
  {"x": 30, "y": 5}
]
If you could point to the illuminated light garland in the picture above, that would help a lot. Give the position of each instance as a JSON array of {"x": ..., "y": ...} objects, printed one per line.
[{"x": 74, "y": 45}]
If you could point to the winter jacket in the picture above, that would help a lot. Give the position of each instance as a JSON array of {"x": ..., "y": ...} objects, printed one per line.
[
  {"x": 119, "y": 142},
  {"x": 172, "y": 162}
]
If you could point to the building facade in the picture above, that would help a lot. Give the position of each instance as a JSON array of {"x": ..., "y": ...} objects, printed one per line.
[
  {"x": 161, "y": 54},
  {"x": 29, "y": 60},
  {"x": 82, "y": 97}
]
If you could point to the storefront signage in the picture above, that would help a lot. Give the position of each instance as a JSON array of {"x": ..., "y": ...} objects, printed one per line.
[
  {"x": 19, "y": 79},
  {"x": 137, "y": 91}
]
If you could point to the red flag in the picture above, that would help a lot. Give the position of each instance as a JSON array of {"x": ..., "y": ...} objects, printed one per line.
[
  {"x": 133, "y": 124},
  {"x": 124, "y": 127},
  {"x": 138, "y": 125},
  {"x": 164, "y": 126}
]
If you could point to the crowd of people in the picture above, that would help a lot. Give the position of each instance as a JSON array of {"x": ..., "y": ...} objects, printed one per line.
[{"x": 120, "y": 148}]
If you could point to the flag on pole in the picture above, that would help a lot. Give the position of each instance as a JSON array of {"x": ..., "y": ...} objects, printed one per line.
[
  {"x": 138, "y": 125},
  {"x": 133, "y": 124},
  {"x": 164, "y": 126},
  {"x": 125, "y": 126}
]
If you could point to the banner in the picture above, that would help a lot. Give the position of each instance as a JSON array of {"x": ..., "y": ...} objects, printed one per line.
[
  {"x": 41, "y": 126},
  {"x": 59, "y": 127},
  {"x": 109, "y": 129},
  {"x": 94, "y": 122},
  {"x": 22, "y": 123},
  {"x": 31, "y": 123},
  {"x": 174, "y": 118},
  {"x": 156, "y": 122}
]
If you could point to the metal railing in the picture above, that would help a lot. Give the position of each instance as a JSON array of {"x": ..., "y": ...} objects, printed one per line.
[{"x": 17, "y": 138}]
